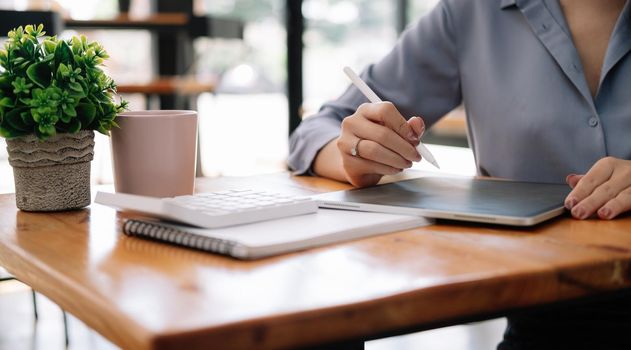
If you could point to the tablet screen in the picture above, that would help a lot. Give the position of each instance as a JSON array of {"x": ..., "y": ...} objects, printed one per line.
[{"x": 461, "y": 195}]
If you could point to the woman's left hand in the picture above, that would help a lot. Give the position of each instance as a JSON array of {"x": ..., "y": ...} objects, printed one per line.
[{"x": 605, "y": 190}]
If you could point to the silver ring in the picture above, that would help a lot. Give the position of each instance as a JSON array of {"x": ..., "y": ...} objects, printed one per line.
[{"x": 355, "y": 149}]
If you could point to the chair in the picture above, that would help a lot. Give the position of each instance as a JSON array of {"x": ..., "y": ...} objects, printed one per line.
[
  {"x": 4, "y": 276},
  {"x": 53, "y": 23}
]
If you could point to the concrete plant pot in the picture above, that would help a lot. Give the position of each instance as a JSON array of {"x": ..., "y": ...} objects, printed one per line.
[{"x": 52, "y": 175}]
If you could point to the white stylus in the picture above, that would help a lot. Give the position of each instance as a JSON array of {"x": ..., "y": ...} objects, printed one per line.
[{"x": 372, "y": 97}]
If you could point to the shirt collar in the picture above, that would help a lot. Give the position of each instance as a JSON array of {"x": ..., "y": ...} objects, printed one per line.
[{"x": 507, "y": 3}]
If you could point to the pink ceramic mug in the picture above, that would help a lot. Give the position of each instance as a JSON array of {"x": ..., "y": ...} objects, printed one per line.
[{"x": 154, "y": 153}]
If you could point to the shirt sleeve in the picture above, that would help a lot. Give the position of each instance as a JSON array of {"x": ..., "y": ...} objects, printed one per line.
[{"x": 419, "y": 76}]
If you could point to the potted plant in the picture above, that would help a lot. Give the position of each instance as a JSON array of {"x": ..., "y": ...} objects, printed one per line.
[{"x": 53, "y": 94}]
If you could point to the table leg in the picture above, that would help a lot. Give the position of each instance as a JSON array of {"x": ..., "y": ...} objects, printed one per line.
[
  {"x": 34, "y": 305},
  {"x": 352, "y": 345},
  {"x": 67, "y": 338}
]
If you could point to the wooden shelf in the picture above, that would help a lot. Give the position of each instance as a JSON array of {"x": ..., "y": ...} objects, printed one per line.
[
  {"x": 123, "y": 21},
  {"x": 169, "y": 86},
  {"x": 196, "y": 26}
]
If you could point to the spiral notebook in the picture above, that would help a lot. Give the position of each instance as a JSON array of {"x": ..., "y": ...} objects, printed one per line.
[{"x": 262, "y": 239}]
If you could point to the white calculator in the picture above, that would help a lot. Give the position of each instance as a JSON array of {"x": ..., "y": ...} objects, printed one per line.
[{"x": 214, "y": 209}]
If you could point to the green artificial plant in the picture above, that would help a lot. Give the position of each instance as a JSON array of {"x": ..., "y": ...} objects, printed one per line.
[{"x": 49, "y": 86}]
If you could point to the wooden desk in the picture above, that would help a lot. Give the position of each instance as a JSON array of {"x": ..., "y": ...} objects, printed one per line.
[{"x": 146, "y": 295}]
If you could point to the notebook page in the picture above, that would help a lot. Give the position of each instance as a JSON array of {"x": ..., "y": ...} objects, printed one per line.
[{"x": 307, "y": 227}]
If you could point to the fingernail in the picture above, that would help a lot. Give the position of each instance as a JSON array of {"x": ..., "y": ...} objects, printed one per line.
[
  {"x": 570, "y": 203},
  {"x": 567, "y": 178},
  {"x": 420, "y": 133},
  {"x": 605, "y": 213},
  {"x": 412, "y": 137},
  {"x": 579, "y": 213}
]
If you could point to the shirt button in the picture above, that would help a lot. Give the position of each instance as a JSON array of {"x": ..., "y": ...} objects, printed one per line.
[{"x": 593, "y": 121}]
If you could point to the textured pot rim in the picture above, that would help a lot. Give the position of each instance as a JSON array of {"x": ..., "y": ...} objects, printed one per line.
[
  {"x": 65, "y": 148},
  {"x": 32, "y": 138}
]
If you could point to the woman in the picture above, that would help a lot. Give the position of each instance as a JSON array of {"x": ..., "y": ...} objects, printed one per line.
[{"x": 547, "y": 89}]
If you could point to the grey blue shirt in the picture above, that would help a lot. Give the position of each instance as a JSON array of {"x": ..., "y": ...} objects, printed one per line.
[{"x": 513, "y": 64}]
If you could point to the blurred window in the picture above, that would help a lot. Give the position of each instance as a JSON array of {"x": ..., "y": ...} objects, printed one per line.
[
  {"x": 419, "y": 8},
  {"x": 248, "y": 113},
  {"x": 342, "y": 33},
  {"x": 351, "y": 33}
]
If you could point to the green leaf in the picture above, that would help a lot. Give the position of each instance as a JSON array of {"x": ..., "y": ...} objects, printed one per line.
[
  {"x": 5, "y": 82},
  {"x": 76, "y": 45},
  {"x": 29, "y": 48},
  {"x": 47, "y": 130},
  {"x": 22, "y": 67},
  {"x": 50, "y": 45},
  {"x": 76, "y": 87},
  {"x": 103, "y": 130},
  {"x": 21, "y": 87},
  {"x": 71, "y": 127},
  {"x": 48, "y": 58},
  {"x": 76, "y": 94},
  {"x": 40, "y": 74},
  {"x": 65, "y": 118},
  {"x": 27, "y": 118},
  {"x": 63, "y": 54},
  {"x": 86, "y": 113},
  {"x": 62, "y": 69},
  {"x": 14, "y": 120},
  {"x": 3, "y": 58},
  {"x": 104, "y": 98},
  {"x": 69, "y": 111},
  {"x": 11, "y": 133},
  {"x": 37, "y": 118},
  {"x": 6, "y": 102}
]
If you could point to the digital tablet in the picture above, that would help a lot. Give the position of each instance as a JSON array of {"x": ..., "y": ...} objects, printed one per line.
[{"x": 467, "y": 199}]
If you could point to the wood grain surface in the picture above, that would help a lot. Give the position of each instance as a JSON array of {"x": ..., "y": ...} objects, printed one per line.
[
  {"x": 168, "y": 86},
  {"x": 159, "y": 20},
  {"x": 147, "y": 295}
]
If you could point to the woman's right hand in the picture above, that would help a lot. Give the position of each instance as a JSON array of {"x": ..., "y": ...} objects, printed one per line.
[{"x": 384, "y": 140}]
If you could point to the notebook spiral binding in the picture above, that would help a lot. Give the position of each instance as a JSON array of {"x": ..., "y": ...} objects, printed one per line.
[{"x": 157, "y": 232}]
